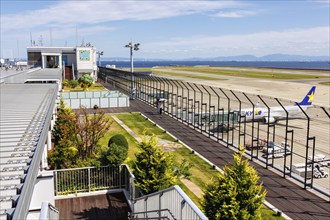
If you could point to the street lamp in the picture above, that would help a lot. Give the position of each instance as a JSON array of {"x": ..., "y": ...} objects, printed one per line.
[
  {"x": 136, "y": 48},
  {"x": 99, "y": 53}
]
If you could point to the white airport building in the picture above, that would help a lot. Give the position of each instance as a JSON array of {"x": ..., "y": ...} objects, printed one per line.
[{"x": 74, "y": 61}]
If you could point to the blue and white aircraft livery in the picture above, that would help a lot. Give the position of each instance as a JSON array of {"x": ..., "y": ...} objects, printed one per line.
[{"x": 278, "y": 113}]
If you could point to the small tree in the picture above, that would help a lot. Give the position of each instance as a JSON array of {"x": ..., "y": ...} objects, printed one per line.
[
  {"x": 64, "y": 153},
  {"x": 88, "y": 130},
  {"x": 116, "y": 152},
  {"x": 153, "y": 168},
  {"x": 76, "y": 137},
  {"x": 85, "y": 81},
  {"x": 236, "y": 194}
]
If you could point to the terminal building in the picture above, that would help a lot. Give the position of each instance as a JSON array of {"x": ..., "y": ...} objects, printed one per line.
[{"x": 73, "y": 61}]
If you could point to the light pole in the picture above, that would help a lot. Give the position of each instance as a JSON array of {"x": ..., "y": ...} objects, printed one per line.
[
  {"x": 132, "y": 47},
  {"x": 99, "y": 53}
]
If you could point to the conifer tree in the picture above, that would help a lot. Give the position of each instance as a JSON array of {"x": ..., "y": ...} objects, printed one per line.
[
  {"x": 236, "y": 194},
  {"x": 153, "y": 168},
  {"x": 64, "y": 153}
]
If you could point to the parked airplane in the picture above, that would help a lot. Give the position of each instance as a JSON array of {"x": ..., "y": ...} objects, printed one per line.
[{"x": 278, "y": 113}]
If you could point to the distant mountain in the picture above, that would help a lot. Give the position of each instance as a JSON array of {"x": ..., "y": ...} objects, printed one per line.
[
  {"x": 272, "y": 57},
  {"x": 127, "y": 59}
]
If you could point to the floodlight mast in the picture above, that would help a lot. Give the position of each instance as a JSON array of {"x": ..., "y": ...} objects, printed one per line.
[
  {"x": 132, "y": 47},
  {"x": 99, "y": 53}
]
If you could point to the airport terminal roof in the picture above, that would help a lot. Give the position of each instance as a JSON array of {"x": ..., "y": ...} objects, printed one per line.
[
  {"x": 32, "y": 74},
  {"x": 25, "y": 115}
]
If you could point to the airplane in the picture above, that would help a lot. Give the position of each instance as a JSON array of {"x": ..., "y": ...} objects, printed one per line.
[{"x": 278, "y": 113}]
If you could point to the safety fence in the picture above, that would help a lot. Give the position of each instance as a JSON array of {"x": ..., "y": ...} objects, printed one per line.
[
  {"x": 289, "y": 137},
  {"x": 170, "y": 203},
  {"x": 90, "y": 179}
]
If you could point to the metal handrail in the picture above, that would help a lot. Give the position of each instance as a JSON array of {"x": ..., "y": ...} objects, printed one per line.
[
  {"x": 48, "y": 211},
  {"x": 185, "y": 203},
  {"x": 152, "y": 211},
  {"x": 88, "y": 179}
]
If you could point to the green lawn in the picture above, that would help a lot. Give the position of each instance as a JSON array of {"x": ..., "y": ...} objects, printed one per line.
[
  {"x": 187, "y": 75},
  {"x": 325, "y": 83},
  {"x": 202, "y": 172},
  {"x": 141, "y": 126},
  {"x": 238, "y": 73}
]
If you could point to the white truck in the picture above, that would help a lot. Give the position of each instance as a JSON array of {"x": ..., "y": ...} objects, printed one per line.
[
  {"x": 275, "y": 151},
  {"x": 299, "y": 169}
]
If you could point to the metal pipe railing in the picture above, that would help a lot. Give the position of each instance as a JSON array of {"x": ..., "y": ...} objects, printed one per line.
[
  {"x": 172, "y": 199},
  {"x": 89, "y": 179}
]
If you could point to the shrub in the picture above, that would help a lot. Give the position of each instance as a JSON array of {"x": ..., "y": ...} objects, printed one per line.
[
  {"x": 116, "y": 152},
  {"x": 114, "y": 155},
  {"x": 73, "y": 83},
  {"x": 119, "y": 140},
  {"x": 65, "y": 82},
  {"x": 85, "y": 81}
]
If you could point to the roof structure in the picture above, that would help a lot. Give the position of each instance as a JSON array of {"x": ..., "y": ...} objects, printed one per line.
[
  {"x": 25, "y": 116},
  {"x": 33, "y": 74}
]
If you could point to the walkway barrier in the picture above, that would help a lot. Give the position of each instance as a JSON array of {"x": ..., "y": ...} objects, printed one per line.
[
  {"x": 48, "y": 211},
  {"x": 239, "y": 119},
  {"x": 90, "y": 179},
  {"x": 164, "y": 205}
]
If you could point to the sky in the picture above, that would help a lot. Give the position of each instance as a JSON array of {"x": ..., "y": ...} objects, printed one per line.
[{"x": 171, "y": 29}]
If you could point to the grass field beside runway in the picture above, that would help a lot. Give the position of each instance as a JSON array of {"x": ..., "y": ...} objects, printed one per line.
[{"x": 239, "y": 72}]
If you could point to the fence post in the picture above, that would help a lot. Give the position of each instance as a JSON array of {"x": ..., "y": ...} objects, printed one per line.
[
  {"x": 56, "y": 187},
  {"x": 89, "y": 179}
]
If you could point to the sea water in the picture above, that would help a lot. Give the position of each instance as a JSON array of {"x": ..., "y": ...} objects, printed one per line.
[{"x": 321, "y": 65}]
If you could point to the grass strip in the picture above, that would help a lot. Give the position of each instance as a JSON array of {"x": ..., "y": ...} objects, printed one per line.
[
  {"x": 238, "y": 73},
  {"x": 187, "y": 75},
  {"x": 137, "y": 123}
]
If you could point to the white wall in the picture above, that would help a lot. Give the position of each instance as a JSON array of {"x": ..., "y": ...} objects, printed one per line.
[
  {"x": 43, "y": 190},
  {"x": 86, "y": 58}
]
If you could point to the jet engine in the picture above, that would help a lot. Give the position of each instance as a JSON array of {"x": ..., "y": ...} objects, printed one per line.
[{"x": 270, "y": 120}]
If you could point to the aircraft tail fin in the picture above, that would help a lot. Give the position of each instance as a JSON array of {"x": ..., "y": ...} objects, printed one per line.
[{"x": 308, "y": 100}]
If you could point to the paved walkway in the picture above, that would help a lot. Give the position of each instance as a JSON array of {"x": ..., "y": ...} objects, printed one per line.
[{"x": 288, "y": 197}]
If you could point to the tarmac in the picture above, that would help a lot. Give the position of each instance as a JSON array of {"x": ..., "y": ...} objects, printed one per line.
[
  {"x": 293, "y": 90},
  {"x": 283, "y": 193}
]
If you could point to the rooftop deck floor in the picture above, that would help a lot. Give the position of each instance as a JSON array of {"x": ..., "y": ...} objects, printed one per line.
[{"x": 105, "y": 206}]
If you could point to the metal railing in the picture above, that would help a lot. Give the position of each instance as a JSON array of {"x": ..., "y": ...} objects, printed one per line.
[
  {"x": 90, "y": 179},
  {"x": 171, "y": 203},
  {"x": 48, "y": 211},
  {"x": 220, "y": 114}
]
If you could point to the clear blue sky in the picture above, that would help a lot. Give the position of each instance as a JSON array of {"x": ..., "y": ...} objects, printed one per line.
[{"x": 170, "y": 29}]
